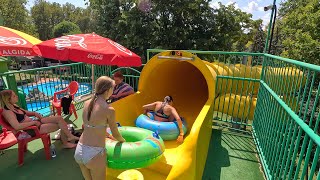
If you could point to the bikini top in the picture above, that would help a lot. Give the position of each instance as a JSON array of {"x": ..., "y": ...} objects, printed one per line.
[
  {"x": 161, "y": 113},
  {"x": 95, "y": 126},
  {"x": 20, "y": 117}
]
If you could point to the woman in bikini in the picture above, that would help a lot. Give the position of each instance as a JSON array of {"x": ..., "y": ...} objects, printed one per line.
[
  {"x": 19, "y": 119},
  {"x": 164, "y": 111},
  {"x": 97, "y": 115}
]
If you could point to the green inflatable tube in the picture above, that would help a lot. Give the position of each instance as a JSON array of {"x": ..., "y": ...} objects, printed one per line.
[{"x": 141, "y": 149}]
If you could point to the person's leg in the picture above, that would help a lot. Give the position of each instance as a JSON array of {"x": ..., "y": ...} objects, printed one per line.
[
  {"x": 48, "y": 128},
  {"x": 85, "y": 172},
  {"x": 97, "y": 166},
  {"x": 79, "y": 158},
  {"x": 64, "y": 140},
  {"x": 62, "y": 125},
  {"x": 51, "y": 127}
]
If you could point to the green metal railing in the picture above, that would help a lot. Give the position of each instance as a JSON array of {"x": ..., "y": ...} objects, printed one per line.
[
  {"x": 286, "y": 118},
  {"x": 238, "y": 77},
  {"x": 285, "y": 123},
  {"x": 131, "y": 76},
  {"x": 35, "y": 87}
]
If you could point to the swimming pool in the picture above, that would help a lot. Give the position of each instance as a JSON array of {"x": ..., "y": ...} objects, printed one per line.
[{"x": 46, "y": 90}]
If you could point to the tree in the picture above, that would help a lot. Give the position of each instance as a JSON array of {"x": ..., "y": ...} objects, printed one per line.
[
  {"x": 108, "y": 17},
  {"x": 15, "y": 14},
  {"x": 85, "y": 19},
  {"x": 259, "y": 39},
  {"x": 180, "y": 24},
  {"x": 45, "y": 16},
  {"x": 66, "y": 28},
  {"x": 300, "y": 30}
]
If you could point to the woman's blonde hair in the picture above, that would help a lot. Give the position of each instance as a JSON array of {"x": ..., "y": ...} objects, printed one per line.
[
  {"x": 5, "y": 97},
  {"x": 103, "y": 84}
]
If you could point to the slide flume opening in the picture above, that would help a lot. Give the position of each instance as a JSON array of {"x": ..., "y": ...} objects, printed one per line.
[{"x": 183, "y": 81}]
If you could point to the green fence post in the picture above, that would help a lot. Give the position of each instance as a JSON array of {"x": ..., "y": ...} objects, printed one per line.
[
  {"x": 10, "y": 81},
  {"x": 22, "y": 98},
  {"x": 3, "y": 65},
  {"x": 3, "y": 69}
]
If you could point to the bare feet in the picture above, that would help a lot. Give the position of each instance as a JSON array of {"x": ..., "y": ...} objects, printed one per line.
[
  {"x": 69, "y": 145},
  {"x": 73, "y": 138}
]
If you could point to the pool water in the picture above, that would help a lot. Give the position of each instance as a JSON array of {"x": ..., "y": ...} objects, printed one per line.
[
  {"x": 48, "y": 88},
  {"x": 40, "y": 107}
]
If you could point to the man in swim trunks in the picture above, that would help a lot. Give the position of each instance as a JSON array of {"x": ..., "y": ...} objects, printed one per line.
[{"x": 164, "y": 111}]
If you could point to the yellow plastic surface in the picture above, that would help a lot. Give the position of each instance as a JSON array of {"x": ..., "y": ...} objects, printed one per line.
[
  {"x": 193, "y": 86},
  {"x": 189, "y": 83},
  {"x": 288, "y": 78},
  {"x": 236, "y": 105}
]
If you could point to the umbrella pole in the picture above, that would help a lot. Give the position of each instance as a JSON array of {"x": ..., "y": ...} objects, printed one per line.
[{"x": 92, "y": 72}]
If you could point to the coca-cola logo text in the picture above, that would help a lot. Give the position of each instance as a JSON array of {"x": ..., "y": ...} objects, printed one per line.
[
  {"x": 95, "y": 56},
  {"x": 67, "y": 41}
]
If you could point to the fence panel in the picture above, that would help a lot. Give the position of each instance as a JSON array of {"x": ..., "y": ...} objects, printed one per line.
[{"x": 286, "y": 121}]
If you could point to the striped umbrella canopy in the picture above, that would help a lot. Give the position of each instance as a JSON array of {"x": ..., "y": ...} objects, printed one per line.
[{"x": 16, "y": 43}]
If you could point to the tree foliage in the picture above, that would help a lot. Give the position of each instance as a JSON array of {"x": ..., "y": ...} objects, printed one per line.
[
  {"x": 15, "y": 15},
  {"x": 66, "y": 28},
  {"x": 176, "y": 24},
  {"x": 47, "y": 15},
  {"x": 179, "y": 24},
  {"x": 300, "y": 28}
]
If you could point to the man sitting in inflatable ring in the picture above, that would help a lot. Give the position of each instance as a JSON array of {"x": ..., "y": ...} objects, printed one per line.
[{"x": 164, "y": 112}]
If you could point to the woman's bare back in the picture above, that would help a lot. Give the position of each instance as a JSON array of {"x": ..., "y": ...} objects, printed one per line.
[
  {"x": 167, "y": 109},
  {"x": 99, "y": 119}
]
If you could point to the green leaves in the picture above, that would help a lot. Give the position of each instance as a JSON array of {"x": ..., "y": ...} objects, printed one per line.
[
  {"x": 15, "y": 15},
  {"x": 47, "y": 15},
  {"x": 174, "y": 24},
  {"x": 66, "y": 28},
  {"x": 143, "y": 24},
  {"x": 300, "y": 26}
]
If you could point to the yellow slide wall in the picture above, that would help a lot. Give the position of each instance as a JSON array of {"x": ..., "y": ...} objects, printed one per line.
[
  {"x": 189, "y": 83},
  {"x": 192, "y": 84}
]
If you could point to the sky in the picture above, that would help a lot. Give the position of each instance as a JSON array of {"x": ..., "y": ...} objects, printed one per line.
[
  {"x": 255, "y": 7},
  {"x": 77, "y": 3}
]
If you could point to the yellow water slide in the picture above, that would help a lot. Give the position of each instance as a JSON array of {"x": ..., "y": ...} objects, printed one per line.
[
  {"x": 188, "y": 80},
  {"x": 197, "y": 93}
]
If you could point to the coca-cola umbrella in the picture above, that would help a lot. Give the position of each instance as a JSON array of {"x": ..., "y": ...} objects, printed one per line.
[
  {"x": 88, "y": 48},
  {"x": 16, "y": 43}
]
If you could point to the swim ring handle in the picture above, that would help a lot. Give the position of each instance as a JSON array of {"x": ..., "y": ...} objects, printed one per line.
[
  {"x": 119, "y": 125},
  {"x": 155, "y": 134}
]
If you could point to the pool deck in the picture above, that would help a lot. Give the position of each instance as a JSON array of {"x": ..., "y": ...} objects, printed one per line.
[{"x": 231, "y": 156}]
